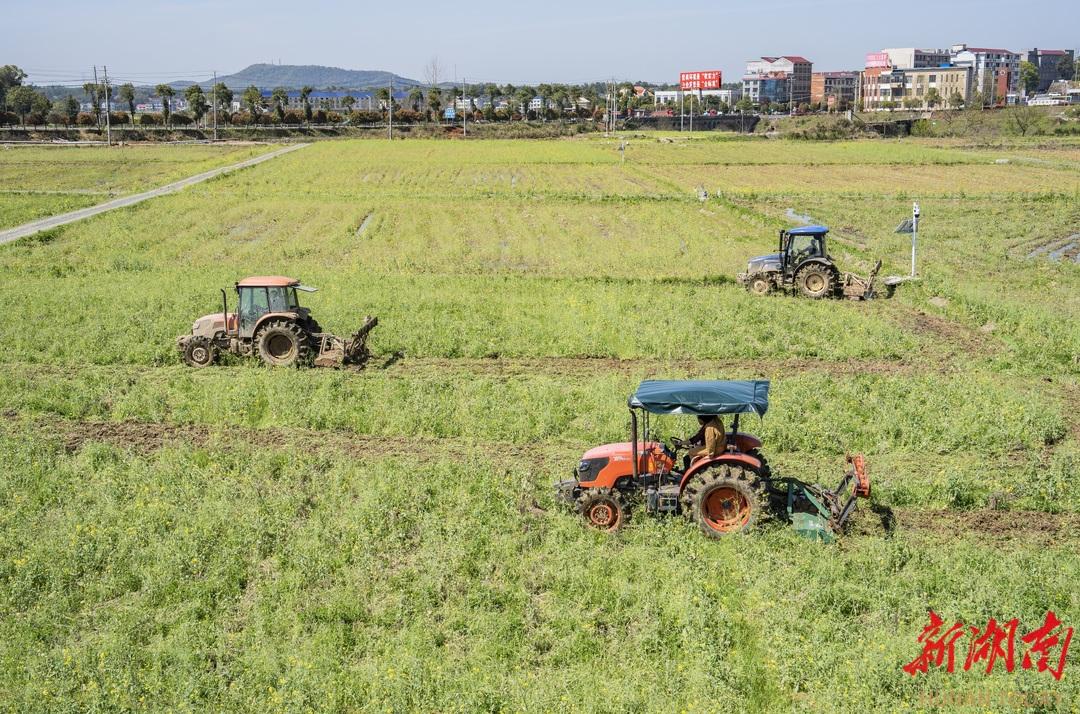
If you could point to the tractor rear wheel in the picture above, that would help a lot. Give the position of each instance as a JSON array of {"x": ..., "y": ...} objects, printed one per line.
[
  {"x": 199, "y": 352},
  {"x": 816, "y": 281},
  {"x": 727, "y": 499},
  {"x": 283, "y": 344},
  {"x": 603, "y": 508},
  {"x": 759, "y": 285}
]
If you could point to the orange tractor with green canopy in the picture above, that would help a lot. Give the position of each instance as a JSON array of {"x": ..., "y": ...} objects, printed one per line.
[
  {"x": 727, "y": 493},
  {"x": 270, "y": 323}
]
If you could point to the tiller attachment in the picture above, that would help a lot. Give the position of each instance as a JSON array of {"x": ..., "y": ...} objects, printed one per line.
[
  {"x": 335, "y": 351},
  {"x": 820, "y": 514},
  {"x": 856, "y": 287}
]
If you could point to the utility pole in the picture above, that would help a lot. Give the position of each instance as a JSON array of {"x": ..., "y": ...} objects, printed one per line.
[
  {"x": 464, "y": 110},
  {"x": 215, "y": 106},
  {"x": 96, "y": 99},
  {"x": 108, "y": 109},
  {"x": 914, "y": 234}
]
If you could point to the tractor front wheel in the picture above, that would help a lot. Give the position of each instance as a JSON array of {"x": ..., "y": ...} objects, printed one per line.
[
  {"x": 816, "y": 281},
  {"x": 759, "y": 285},
  {"x": 283, "y": 344},
  {"x": 604, "y": 509},
  {"x": 199, "y": 352}
]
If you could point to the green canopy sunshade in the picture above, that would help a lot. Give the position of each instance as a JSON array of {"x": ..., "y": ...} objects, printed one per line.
[{"x": 698, "y": 397}]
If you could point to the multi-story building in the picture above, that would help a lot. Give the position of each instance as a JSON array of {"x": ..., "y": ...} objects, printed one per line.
[
  {"x": 995, "y": 73},
  {"x": 936, "y": 87},
  {"x": 780, "y": 80},
  {"x": 914, "y": 58},
  {"x": 1048, "y": 62},
  {"x": 922, "y": 88},
  {"x": 673, "y": 96},
  {"x": 831, "y": 88}
]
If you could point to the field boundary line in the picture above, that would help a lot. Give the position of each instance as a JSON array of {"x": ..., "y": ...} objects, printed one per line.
[{"x": 42, "y": 224}]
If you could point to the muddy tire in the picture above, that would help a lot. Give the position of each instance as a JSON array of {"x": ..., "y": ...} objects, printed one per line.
[
  {"x": 725, "y": 500},
  {"x": 283, "y": 344},
  {"x": 765, "y": 471},
  {"x": 759, "y": 285},
  {"x": 816, "y": 281},
  {"x": 199, "y": 352},
  {"x": 604, "y": 509}
]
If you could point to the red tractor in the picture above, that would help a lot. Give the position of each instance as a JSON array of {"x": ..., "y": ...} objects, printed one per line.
[
  {"x": 270, "y": 324},
  {"x": 724, "y": 494}
]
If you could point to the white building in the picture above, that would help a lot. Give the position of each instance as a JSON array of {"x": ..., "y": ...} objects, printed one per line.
[
  {"x": 995, "y": 73},
  {"x": 778, "y": 79},
  {"x": 674, "y": 96},
  {"x": 915, "y": 58}
]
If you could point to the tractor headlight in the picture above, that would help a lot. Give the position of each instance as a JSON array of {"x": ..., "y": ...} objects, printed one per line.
[{"x": 589, "y": 469}]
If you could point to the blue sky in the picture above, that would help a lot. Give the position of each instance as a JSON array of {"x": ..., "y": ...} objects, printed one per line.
[{"x": 508, "y": 41}]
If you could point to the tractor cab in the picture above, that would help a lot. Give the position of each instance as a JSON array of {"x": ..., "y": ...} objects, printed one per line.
[
  {"x": 799, "y": 245},
  {"x": 263, "y": 296}
]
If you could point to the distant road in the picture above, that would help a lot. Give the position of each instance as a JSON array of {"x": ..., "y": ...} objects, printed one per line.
[{"x": 29, "y": 229}]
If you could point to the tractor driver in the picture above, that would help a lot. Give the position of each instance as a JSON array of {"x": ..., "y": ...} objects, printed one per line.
[{"x": 709, "y": 441}]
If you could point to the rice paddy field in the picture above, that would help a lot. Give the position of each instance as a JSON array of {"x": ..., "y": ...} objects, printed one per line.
[{"x": 385, "y": 540}]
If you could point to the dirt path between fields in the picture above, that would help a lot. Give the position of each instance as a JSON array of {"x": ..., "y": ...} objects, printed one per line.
[
  {"x": 550, "y": 460},
  {"x": 28, "y": 229},
  {"x": 397, "y": 364}
]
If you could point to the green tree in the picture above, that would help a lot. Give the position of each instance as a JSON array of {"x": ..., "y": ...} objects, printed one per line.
[
  {"x": 126, "y": 93},
  {"x": 383, "y": 95},
  {"x": 10, "y": 77},
  {"x": 252, "y": 99},
  {"x": 1065, "y": 68},
  {"x": 956, "y": 100},
  {"x": 196, "y": 99},
  {"x": 933, "y": 98},
  {"x": 278, "y": 99},
  {"x": 223, "y": 96},
  {"x": 305, "y": 97},
  {"x": 21, "y": 100},
  {"x": 493, "y": 93},
  {"x": 71, "y": 108},
  {"x": 348, "y": 101},
  {"x": 1025, "y": 119},
  {"x": 744, "y": 105},
  {"x": 1029, "y": 77},
  {"x": 434, "y": 100},
  {"x": 166, "y": 93},
  {"x": 93, "y": 94},
  {"x": 523, "y": 96},
  {"x": 416, "y": 98}
]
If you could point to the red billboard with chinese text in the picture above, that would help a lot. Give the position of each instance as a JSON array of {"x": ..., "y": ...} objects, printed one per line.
[{"x": 709, "y": 79}]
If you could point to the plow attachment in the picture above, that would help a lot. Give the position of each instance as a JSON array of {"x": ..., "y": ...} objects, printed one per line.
[
  {"x": 856, "y": 287},
  {"x": 335, "y": 351},
  {"x": 820, "y": 514}
]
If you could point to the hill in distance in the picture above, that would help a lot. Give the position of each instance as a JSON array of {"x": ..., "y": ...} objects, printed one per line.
[{"x": 294, "y": 76}]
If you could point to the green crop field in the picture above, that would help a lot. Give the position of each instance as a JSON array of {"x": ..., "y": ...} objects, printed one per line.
[
  {"x": 245, "y": 539},
  {"x": 41, "y": 181}
]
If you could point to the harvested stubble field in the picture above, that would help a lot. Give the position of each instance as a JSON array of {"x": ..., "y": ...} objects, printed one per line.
[{"x": 245, "y": 539}]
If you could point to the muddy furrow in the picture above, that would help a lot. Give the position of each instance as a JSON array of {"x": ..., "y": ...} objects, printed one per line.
[{"x": 568, "y": 366}]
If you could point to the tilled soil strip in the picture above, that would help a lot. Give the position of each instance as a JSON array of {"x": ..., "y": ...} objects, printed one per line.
[{"x": 877, "y": 520}]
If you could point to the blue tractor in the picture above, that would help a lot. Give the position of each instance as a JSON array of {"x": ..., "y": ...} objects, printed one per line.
[{"x": 803, "y": 264}]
